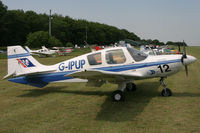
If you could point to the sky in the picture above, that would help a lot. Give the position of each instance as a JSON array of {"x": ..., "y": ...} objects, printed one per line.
[{"x": 165, "y": 20}]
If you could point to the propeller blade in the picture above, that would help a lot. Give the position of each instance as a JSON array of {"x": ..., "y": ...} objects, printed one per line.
[
  {"x": 186, "y": 70},
  {"x": 184, "y": 50},
  {"x": 179, "y": 49},
  {"x": 184, "y": 56}
]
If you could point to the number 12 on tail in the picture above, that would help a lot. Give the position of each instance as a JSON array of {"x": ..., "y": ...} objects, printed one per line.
[{"x": 164, "y": 68}]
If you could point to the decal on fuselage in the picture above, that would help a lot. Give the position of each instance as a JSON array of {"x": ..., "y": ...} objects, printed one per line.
[
  {"x": 25, "y": 62},
  {"x": 78, "y": 64},
  {"x": 152, "y": 72}
]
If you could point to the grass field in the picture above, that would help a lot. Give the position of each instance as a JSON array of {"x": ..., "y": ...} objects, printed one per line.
[{"x": 72, "y": 107}]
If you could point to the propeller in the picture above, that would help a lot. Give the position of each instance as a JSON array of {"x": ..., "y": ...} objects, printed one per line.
[
  {"x": 184, "y": 56},
  {"x": 179, "y": 49},
  {"x": 186, "y": 70}
]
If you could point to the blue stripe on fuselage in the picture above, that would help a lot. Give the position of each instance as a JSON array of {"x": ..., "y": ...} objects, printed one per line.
[
  {"x": 135, "y": 66},
  {"x": 18, "y": 55},
  {"x": 43, "y": 79}
]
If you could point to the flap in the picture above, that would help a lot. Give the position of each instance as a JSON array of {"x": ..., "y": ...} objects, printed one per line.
[{"x": 105, "y": 75}]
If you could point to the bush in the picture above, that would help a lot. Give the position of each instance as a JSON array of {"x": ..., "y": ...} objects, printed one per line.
[
  {"x": 69, "y": 44},
  {"x": 40, "y": 38}
]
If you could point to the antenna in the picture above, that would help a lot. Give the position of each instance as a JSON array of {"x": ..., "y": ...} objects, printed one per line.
[
  {"x": 86, "y": 34},
  {"x": 50, "y": 23}
]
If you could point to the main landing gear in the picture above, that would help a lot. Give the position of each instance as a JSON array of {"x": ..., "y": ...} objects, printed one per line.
[
  {"x": 119, "y": 95},
  {"x": 166, "y": 92}
]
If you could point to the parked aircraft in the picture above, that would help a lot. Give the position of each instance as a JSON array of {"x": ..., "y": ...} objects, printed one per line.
[
  {"x": 148, "y": 50},
  {"x": 118, "y": 65},
  {"x": 44, "y": 52},
  {"x": 157, "y": 50},
  {"x": 63, "y": 50}
]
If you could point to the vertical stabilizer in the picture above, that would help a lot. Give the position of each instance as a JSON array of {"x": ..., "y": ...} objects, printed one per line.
[
  {"x": 44, "y": 48},
  {"x": 20, "y": 61}
]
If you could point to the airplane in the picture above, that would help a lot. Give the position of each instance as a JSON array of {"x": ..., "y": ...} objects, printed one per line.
[
  {"x": 117, "y": 65},
  {"x": 63, "y": 50},
  {"x": 148, "y": 50},
  {"x": 44, "y": 52}
]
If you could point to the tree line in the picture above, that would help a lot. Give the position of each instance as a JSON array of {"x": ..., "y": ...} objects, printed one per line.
[{"x": 18, "y": 27}]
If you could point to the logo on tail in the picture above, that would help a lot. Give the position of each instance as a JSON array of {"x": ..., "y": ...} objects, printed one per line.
[{"x": 25, "y": 62}]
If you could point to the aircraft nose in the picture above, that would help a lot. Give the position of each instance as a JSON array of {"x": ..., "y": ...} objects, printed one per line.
[{"x": 190, "y": 59}]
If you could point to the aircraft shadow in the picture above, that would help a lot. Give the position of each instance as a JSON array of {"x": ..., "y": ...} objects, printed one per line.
[
  {"x": 47, "y": 90},
  {"x": 116, "y": 111},
  {"x": 133, "y": 106},
  {"x": 185, "y": 94}
]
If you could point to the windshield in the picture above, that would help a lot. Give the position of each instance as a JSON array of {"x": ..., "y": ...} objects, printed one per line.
[
  {"x": 115, "y": 56},
  {"x": 136, "y": 54}
]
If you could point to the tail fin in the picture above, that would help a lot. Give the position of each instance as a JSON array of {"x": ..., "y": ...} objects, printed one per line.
[
  {"x": 43, "y": 47},
  {"x": 28, "y": 49},
  {"x": 20, "y": 62}
]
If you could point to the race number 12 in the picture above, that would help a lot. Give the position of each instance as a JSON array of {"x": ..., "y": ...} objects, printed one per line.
[{"x": 164, "y": 68}]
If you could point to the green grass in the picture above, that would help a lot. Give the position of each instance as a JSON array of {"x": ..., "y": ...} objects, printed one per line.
[{"x": 73, "y": 107}]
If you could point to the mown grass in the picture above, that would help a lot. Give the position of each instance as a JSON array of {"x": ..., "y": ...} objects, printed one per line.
[{"x": 72, "y": 107}]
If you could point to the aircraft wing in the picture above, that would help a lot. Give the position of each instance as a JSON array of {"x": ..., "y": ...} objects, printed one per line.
[{"x": 93, "y": 74}]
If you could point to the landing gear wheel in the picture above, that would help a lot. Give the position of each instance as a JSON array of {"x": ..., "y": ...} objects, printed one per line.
[
  {"x": 166, "y": 92},
  {"x": 130, "y": 87},
  {"x": 118, "y": 95}
]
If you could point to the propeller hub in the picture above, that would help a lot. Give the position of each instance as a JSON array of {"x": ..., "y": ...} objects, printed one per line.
[{"x": 188, "y": 59}]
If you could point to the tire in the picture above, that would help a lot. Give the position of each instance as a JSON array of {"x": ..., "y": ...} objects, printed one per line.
[
  {"x": 130, "y": 87},
  {"x": 118, "y": 96},
  {"x": 166, "y": 93}
]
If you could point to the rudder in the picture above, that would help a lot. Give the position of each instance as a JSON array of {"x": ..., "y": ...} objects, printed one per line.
[{"x": 20, "y": 61}]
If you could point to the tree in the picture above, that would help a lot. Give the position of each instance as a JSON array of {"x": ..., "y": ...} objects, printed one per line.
[
  {"x": 69, "y": 44},
  {"x": 54, "y": 42},
  {"x": 15, "y": 25},
  {"x": 3, "y": 9},
  {"x": 39, "y": 38}
]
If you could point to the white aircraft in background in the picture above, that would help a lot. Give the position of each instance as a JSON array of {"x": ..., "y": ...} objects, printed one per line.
[
  {"x": 118, "y": 65},
  {"x": 148, "y": 50},
  {"x": 44, "y": 52}
]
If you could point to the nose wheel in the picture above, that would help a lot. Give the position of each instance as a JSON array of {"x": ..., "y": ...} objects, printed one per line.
[{"x": 166, "y": 92}]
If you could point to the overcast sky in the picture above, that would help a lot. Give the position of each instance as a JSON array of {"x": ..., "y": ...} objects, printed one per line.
[{"x": 165, "y": 20}]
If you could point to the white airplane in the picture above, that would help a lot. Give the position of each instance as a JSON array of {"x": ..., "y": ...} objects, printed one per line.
[
  {"x": 44, "y": 52},
  {"x": 118, "y": 65},
  {"x": 148, "y": 50}
]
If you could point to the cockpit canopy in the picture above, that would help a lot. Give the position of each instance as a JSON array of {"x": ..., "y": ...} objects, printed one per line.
[
  {"x": 115, "y": 56},
  {"x": 136, "y": 54}
]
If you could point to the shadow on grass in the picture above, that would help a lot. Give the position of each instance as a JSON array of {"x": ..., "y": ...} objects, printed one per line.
[
  {"x": 115, "y": 111},
  {"x": 47, "y": 90},
  {"x": 132, "y": 107},
  {"x": 185, "y": 94}
]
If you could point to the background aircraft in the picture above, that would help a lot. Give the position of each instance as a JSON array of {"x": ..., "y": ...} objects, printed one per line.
[
  {"x": 44, "y": 52},
  {"x": 118, "y": 65},
  {"x": 63, "y": 50}
]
